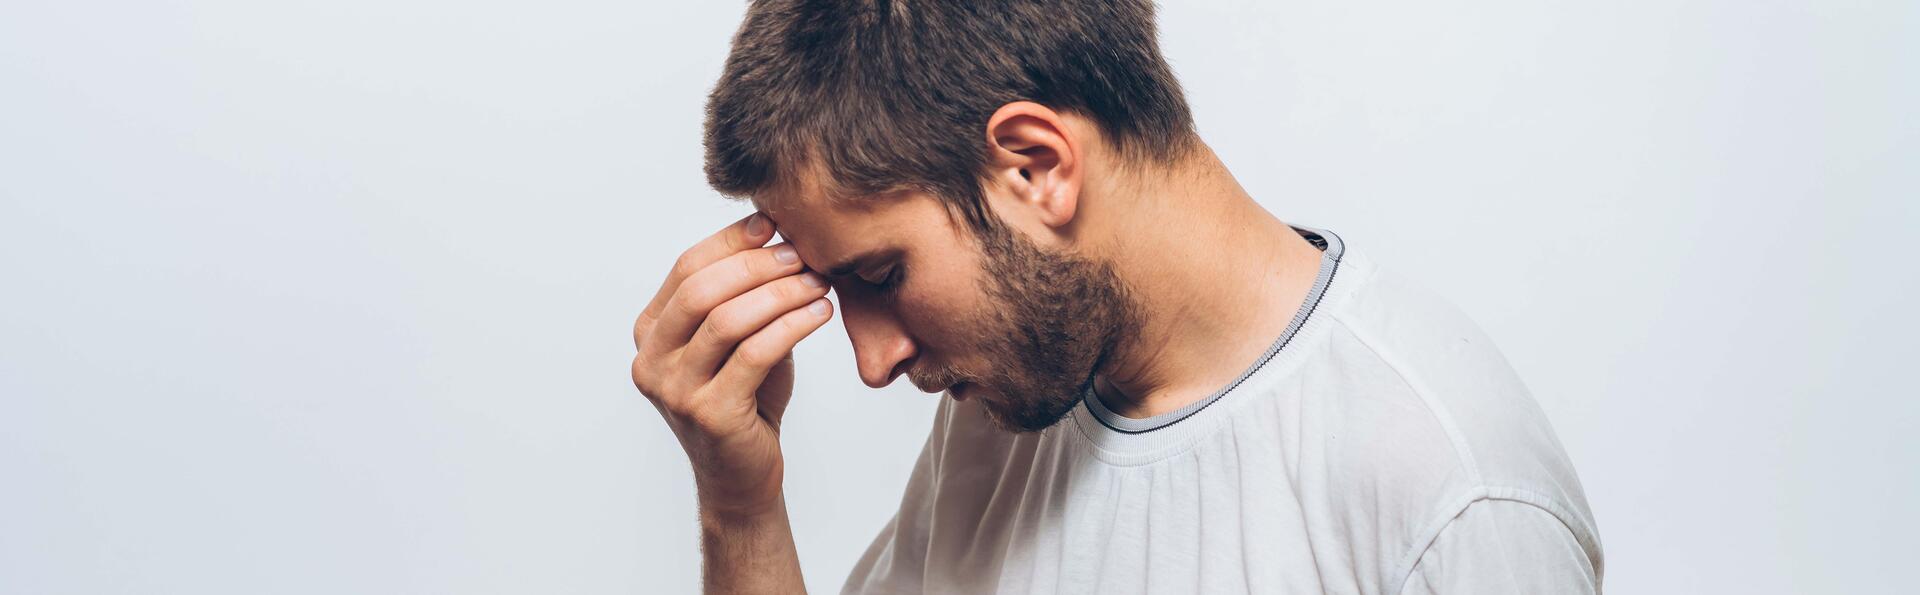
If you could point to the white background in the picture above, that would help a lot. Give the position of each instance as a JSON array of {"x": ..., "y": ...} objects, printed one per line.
[{"x": 336, "y": 297}]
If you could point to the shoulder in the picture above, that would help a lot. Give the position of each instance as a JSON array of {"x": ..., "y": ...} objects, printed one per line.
[
  {"x": 1414, "y": 402},
  {"x": 1417, "y": 347}
]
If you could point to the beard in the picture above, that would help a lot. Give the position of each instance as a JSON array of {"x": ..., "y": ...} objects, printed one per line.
[{"x": 1055, "y": 319}]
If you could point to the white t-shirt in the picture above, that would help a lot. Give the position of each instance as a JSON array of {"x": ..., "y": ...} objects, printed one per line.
[{"x": 1382, "y": 445}]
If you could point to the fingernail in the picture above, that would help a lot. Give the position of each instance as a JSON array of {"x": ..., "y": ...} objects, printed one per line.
[
  {"x": 813, "y": 281},
  {"x": 785, "y": 254},
  {"x": 757, "y": 225},
  {"x": 818, "y": 307}
]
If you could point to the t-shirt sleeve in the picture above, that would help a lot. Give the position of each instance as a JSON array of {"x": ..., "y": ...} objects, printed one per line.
[{"x": 1503, "y": 546}]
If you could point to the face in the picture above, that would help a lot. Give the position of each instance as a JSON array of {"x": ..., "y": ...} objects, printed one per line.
[{"x": 992, "y": 316}]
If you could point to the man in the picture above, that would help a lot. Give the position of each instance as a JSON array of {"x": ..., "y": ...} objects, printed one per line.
[{"x": 1156, "y": 386}]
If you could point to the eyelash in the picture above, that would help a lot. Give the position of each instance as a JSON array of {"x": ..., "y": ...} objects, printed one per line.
[{"x": 888, "y": 283}]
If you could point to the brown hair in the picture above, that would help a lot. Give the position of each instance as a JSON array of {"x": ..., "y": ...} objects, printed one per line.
[{"x": 889, "y": 95}]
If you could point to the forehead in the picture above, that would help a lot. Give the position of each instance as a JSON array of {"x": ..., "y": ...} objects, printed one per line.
[{"x": 826, "y": 231}]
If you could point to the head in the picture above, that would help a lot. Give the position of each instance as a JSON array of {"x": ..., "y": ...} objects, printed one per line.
[{"x": 943, "y": 164}]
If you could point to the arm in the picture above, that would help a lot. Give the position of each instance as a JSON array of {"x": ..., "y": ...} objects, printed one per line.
[
  {"x": 749, "y": 553},
  {"x": 715, "y": 357}
]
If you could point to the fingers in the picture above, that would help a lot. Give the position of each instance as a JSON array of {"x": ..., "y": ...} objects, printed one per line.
[
  {"x": 746, "y": 234},
  {"x": 732, "y": 322},
  {"x": 714, "y": 285},
  {"x": 759, "y": 353}
]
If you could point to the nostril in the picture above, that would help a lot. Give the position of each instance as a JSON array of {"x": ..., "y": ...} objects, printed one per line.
[{"x": 905, "y": 365}]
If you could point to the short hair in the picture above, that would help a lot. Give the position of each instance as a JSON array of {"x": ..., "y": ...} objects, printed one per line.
[{"x": 882, "y": 96}]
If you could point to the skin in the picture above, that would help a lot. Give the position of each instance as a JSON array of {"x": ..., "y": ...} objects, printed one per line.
[{"x": 1207, "y": 278}]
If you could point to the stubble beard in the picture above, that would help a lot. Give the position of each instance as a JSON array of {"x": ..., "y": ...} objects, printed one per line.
[{"x": 1053, "y": 320}]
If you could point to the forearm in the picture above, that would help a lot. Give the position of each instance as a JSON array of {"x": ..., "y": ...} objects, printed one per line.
[{"x": 749, "y": 553}]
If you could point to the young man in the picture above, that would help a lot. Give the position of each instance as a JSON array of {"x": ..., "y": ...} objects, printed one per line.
[{"x": 1156, "y": 386}]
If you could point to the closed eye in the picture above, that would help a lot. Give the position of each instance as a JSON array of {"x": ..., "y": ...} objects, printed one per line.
[{"x": 887, "y": 281}]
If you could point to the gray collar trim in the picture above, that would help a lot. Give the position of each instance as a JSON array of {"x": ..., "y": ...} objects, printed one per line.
[{"x": 1332, "y": 248}]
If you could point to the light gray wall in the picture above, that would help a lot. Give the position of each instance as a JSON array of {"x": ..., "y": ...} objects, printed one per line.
[{"x": 335, "y": 297}]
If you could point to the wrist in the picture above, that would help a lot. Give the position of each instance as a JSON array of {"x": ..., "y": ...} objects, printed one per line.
[
  {"x": 735, "y": 512},
  {"x": 734, "y": 495}
]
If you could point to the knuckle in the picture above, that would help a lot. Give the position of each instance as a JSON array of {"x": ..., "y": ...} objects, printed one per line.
[
  {"x": 643, "y": 378},
  {"x": 794, "y": 290},
  {"x": 748, "y": 269},
  {"x": 679, "y": 307},
  {"x": 684, "y": 266},
  {"x": 693, "y": 300},
  {"x": 788, "y": 289},
  {"x": 666, "y": 390},
  {"x": 721, "y": 327},
  {"x": 797, "y": 320},
  {"x": 640, "y": 327},
  {"x": 737, "y": 236},
  {"x": 755, "y": 354},
  {"x": 786, "y": 322}
]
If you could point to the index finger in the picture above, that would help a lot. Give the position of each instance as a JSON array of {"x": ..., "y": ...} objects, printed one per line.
[{"x": 745, "y": 234}]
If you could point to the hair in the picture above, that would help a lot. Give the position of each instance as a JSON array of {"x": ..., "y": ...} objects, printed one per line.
[{"x": 882, "y": 96}]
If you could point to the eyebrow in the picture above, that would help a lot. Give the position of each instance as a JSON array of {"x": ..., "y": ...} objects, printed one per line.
[{"x": 858, "y": 261}]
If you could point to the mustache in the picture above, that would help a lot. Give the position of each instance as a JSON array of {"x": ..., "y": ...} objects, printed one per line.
[{"x": 934, "y": 379}]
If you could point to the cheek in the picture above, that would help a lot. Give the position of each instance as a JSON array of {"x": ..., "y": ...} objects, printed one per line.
[{"x": 947, "y": 318}]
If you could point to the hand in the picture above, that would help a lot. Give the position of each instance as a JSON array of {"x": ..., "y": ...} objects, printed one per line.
[{"x": 715, "y": 357}]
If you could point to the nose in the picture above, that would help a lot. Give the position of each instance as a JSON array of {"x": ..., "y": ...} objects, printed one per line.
[{"x": 881, "y": 347}]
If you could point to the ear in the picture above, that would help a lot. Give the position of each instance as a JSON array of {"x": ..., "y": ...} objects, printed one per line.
[{"x": 1036, "y": 156}]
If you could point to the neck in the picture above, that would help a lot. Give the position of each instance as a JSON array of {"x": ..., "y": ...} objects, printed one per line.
[{"x": 1217, "y": 278}]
